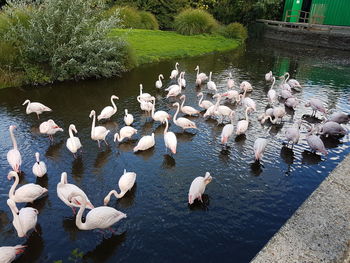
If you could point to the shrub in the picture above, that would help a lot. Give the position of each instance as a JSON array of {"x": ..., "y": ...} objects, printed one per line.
[
  {"x": 130, "y": 17},
  {"x": 195, "y": 21},
  {"x": 235, "y": 30},
  {"x": 148, "y": 21}
]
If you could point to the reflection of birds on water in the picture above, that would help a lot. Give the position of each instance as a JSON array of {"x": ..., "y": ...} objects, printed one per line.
[
  {"x": 184, "y": 136},
  {"x": 310, "y": 157},
  {"x": 35, "y": 130},
  {"x": 35, "y": 246},
  {"x": 168, "y": 161},
  {"x": 239, "y": 140},
  {"x": 105, "y": 249},
  {"x": 287, "y": 156},
  {"x": 128, "y": 198},
  {"x": 39, "y": 204},
  {"x": 330, "y": 141},
  {"x": 110, "y": 125},
  {"x": 225, "y": 154},
  {"x": 102, "y": 157},
  {"x": 128, "y": 146},
  {"x": 77, "y": 168},
  {"x": 43, "y": 181},
  {"x": 69, "y": 227},
  {"x": 275, "y": 128},
  {"x": 256, "y": 168},
  {"x": 4, "y": 220},
  {"x": 311, "y": 119},
  {"x": 198, "y": 205},
  {"x": 53, "y": 151},
  {"x": 146, "y": 154},
  {"x": 147, "y": 128}
]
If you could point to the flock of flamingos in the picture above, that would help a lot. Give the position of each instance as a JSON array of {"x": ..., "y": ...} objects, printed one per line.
[{"x": 103, "y": 217}]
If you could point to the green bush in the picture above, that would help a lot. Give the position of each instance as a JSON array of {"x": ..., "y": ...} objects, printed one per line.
[
  {"x": 130, "y": 17},
  {"x": 195, "y": 21},
  {"x": 235, "y": 31},
  {"x": 148, "y": 21}
]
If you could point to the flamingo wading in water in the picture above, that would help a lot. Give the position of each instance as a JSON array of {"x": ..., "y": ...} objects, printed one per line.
[
  {"x": 197, "y": 187},
  {"x": 108, "y": 111},
  {"x": 99, "y": 132},
  {"x": 39, "y": 168},
  {"x": 14, "y": 156},
  {"x": 73, "y": 143},
  {"x": 35, "y": 107}
]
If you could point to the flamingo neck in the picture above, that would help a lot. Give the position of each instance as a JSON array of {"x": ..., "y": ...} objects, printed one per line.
[
  {"x": 140, "y": 90},
  {"x": 197, "y": 71},
  {"x": 13, "y": 187},
  {"x": 176, "y": 67},
  {"x": 166, "y": 127},
  {"x": 177, "y": 111},
  {"x": 114, "y": 106},
  {"x": 159, "y": 79},
  {"x": 78, "y": 219},
  {"x": 153, "y": 108},
  {"x": 119, "y": 138},
  {"x": 246, "y": 114},
  {"x": 200, "y": 100},
  {"x": 37, "y": 159},
  {"x": 210, "y": 76},
  {"x": 217, "y": 102},
  {"x": 286, "y": 78},
  {"x": 183, "y": 102},
  {"x": 70, "y": 131},
  {"x": 273, "y": 83},
  {"x": 17, "y": 219},
  {"x": 93, "y": 125},
  {"x": 14, "y": 142}
]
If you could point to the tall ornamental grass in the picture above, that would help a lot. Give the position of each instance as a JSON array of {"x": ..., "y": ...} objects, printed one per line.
[{"x": 235, "y": 31}]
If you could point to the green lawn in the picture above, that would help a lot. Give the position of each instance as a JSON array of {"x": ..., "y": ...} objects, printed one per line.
[{"x": 155, "y": 45}]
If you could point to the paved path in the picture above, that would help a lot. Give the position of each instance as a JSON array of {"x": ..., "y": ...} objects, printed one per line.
[{"x": 319, "y": 231}]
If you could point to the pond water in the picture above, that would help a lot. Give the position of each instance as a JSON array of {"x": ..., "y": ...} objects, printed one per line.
[{"x": 244, "y": 205}]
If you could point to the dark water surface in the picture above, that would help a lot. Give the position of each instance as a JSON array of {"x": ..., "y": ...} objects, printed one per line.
[{"x": 245, "y": 204}]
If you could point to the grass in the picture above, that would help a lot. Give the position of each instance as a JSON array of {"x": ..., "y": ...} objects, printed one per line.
[{"x": 154, "y": 45}]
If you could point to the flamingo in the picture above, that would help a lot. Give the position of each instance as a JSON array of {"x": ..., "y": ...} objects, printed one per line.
[
  {"x": 187, "y": 109},
  {"x": 182, "y": 79},
  {"x": 232, "y": 95},
  {"x": 8, "y": 254},
  {"x": 174, "y": 90},
  {"x": 99, "y": 132},
  {"x": 159, "y": 83},
  {"x": 27, "y": 193},
  {"x": 285, "y": 85},
  {"x": 205, "y": 104},
  {"x": 170, "y": 139},
  {"x": 269, "y": 76},
  {"x": 263, "y": 116},
  {"x": 175, "y": 71},
  {"x": 125, "y": 132},
  {"x": 230, "y": 82},
  {"x": 73, "y": 143},
  {"x": 39, "y": 167},
  {"x": 332, "y": 128},
  {"x": 50, "y": 128},
  {"x": 316, "y": 105},
  {"x": 101, "y": 217},
  {"x": 145, "y": 143},
  {"x": 227, "y": 131},
  {"x": 339, "y": 117},
  {"x": 144, "y": 96},
  {"x": 315, "y": 143},
  {"x": 14, "y": 156},
  {"x": 242, "y": 125},
  {"x": 278, "y": 113},
  {"x": 259, "y": 148},
  {"x": 36, "y": 107},
  {"x": 272, "y": 95},
  {"x": 145, "y": 105},
  {"x": 125, "y": 183},
  {"x": 211, "y": 84},
  {"x": 222, "y": 110},
  {"x": 197, "y": 187},
  {"x": 23, "y": 220},
  {"x": 182, "y": 122},
  {"x": 286, "y": 94},
  {"x": 248, "y": 102},
  {"x": 159, "y": 115},
  {"x": 291, "y": 102},
  {"x": 128, "y": 118},
  {"x": 64, "y": 190},
  {"x": 200, "y": 77},
  {"x": 246, "y": 86},
  {"x": 108, "y": 111},
  {"x": 293, "y": 134},
  {"x": 212, "y": 109}
]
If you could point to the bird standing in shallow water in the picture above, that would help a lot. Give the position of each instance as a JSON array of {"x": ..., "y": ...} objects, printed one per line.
[{"x": 197, "y": 187}]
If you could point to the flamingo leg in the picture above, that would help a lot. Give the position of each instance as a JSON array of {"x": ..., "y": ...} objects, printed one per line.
[
  {"x": 73, "y": 209},
  {"x": 38, "y": 116},
  {"x": 106, "y": 142},
  {"x": 98, "y": 142}
]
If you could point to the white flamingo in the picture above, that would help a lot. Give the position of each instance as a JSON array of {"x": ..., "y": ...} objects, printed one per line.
[
  {"x": 36, "y": 107},
  {"x": 205, "y": 104},
  {"x": 8, "y": 254},
  {"x": 174, "y": 90},
  {"x": 99, "y": 132},
  {"x": 125, "y": 183},
  {"x": 200, "y": 77},
  {"x": 170, "y": 139},
  {"x": 128, "y": 118},
  {"x": 182, "y": 122},
  {"x": 222, "y": 111},
  {"x": 232, "y": 95},
  {"x": 108, "y": 111},
  {"x": 248, "y": 102},
  {"x": 27, "y": 193},
  {"x": 125, "y": 132},
  {"x": 259, "y": 148},
  {"x": 159, "y": 83},
  {"x": 293, "y": 134},
  {"x": 14, "y": 156},
  {"x": 242, "y": 125},
  {"x": 272, "y": 95},
  {"x": 64, "y": 190},
  {"x": 278, "y": 114},
  {"x": 187, "y": 109},
  {"x": 159, "y": 115},
  {"x": 230, "y": 82},
  {"x": 175, "y": 71},
  {"x": 73, "y": 143},
  {"x": 269, "y": 76},
  {"x": 197, "y": 187},
  {"x": 285, "y": 85},
  {"x": 39, "y": 168},
  {"x": 182, "y": 79},
  {"x": 101, "y": 217},
  {"x": 145, "y": 105},
  {"x": 50, "y": 128},
  {"x": 23, "y": 220},
  {"x": 144, "y": 96},
  {"x": 211, "y": 84},
  {"x": 145, "y": 143},
  {"x": 212, "y": 109},
  {"x": 246, "y": 86},
  {"x": 227, "y": 131}
]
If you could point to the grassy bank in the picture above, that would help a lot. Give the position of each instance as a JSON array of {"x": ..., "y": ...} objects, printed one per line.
[{"x": 154, "y": 45}]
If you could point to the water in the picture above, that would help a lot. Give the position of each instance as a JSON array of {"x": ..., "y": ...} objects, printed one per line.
[{"x": 244, "y": 205}]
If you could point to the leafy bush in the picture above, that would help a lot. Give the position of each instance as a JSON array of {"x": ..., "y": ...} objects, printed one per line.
[
  {"x": 130, "y": 17},
  {"x": 148, "y": 21},
  {"x": 235, "y": 31},
  {"x": 195, "y": 21}
]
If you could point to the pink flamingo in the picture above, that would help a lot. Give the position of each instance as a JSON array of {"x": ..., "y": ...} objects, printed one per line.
[{"x": 14, "y": 156}]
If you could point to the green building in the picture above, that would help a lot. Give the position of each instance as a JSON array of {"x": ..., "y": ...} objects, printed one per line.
[{"x": 327, "y": 12}]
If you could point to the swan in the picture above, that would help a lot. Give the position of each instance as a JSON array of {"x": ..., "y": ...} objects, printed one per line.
[
  {"x": 108, "y": 111},
  {"x": 39, "y": 168},
  {"x": 125, "y": 183},
  {"x": 197, "y": 187},
  {"x": 101, "y": 217},
  {"x": 159, "y": 115},
  {"x": 145, "y": 143},
  {"x": 205, "y": 104},
  {"x": 175, "y": 71},
  {"x": 259, "y": 148},
  {"x": 99, "y": 132},
  {"x": 14, "y": 156},
  {"x": 27, "y": 193},
  {"x": 64, "y": 189},
  {"x": 128, "y": 118},
  {"x": 227, "y": 131},
  {"x": 212, "y": 109},
  {"x": 174, "y": 90},
  {"x": 188, "y": 109},
  {"x": 159, "y": 83},
  {"x": 200, "y": 77},
  {"x": 246, "y": 86},
  {"x": 230, "y": 82},
  {"x": 50, "y": 128},
  {"x": 145, "y": 105},
  {"x": 170, "y": 139},
  {"x": 36, "y": 107},
  {"x": 269, "y": 76},
  {"x": 184, "y": 123},
  {"x": 182, "y": 79},
  {"x": 8, "y": 254},
  {"x": 242, "y": 125},
  {"x": 73, "y": 143},
  {"x": 144, "y": 96},
  {"x": 271, "y": 94},
  {"x": 24, "y": 219},
  {"x": 125, "y": 132},
  {"x": 211, "y": 85}
]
